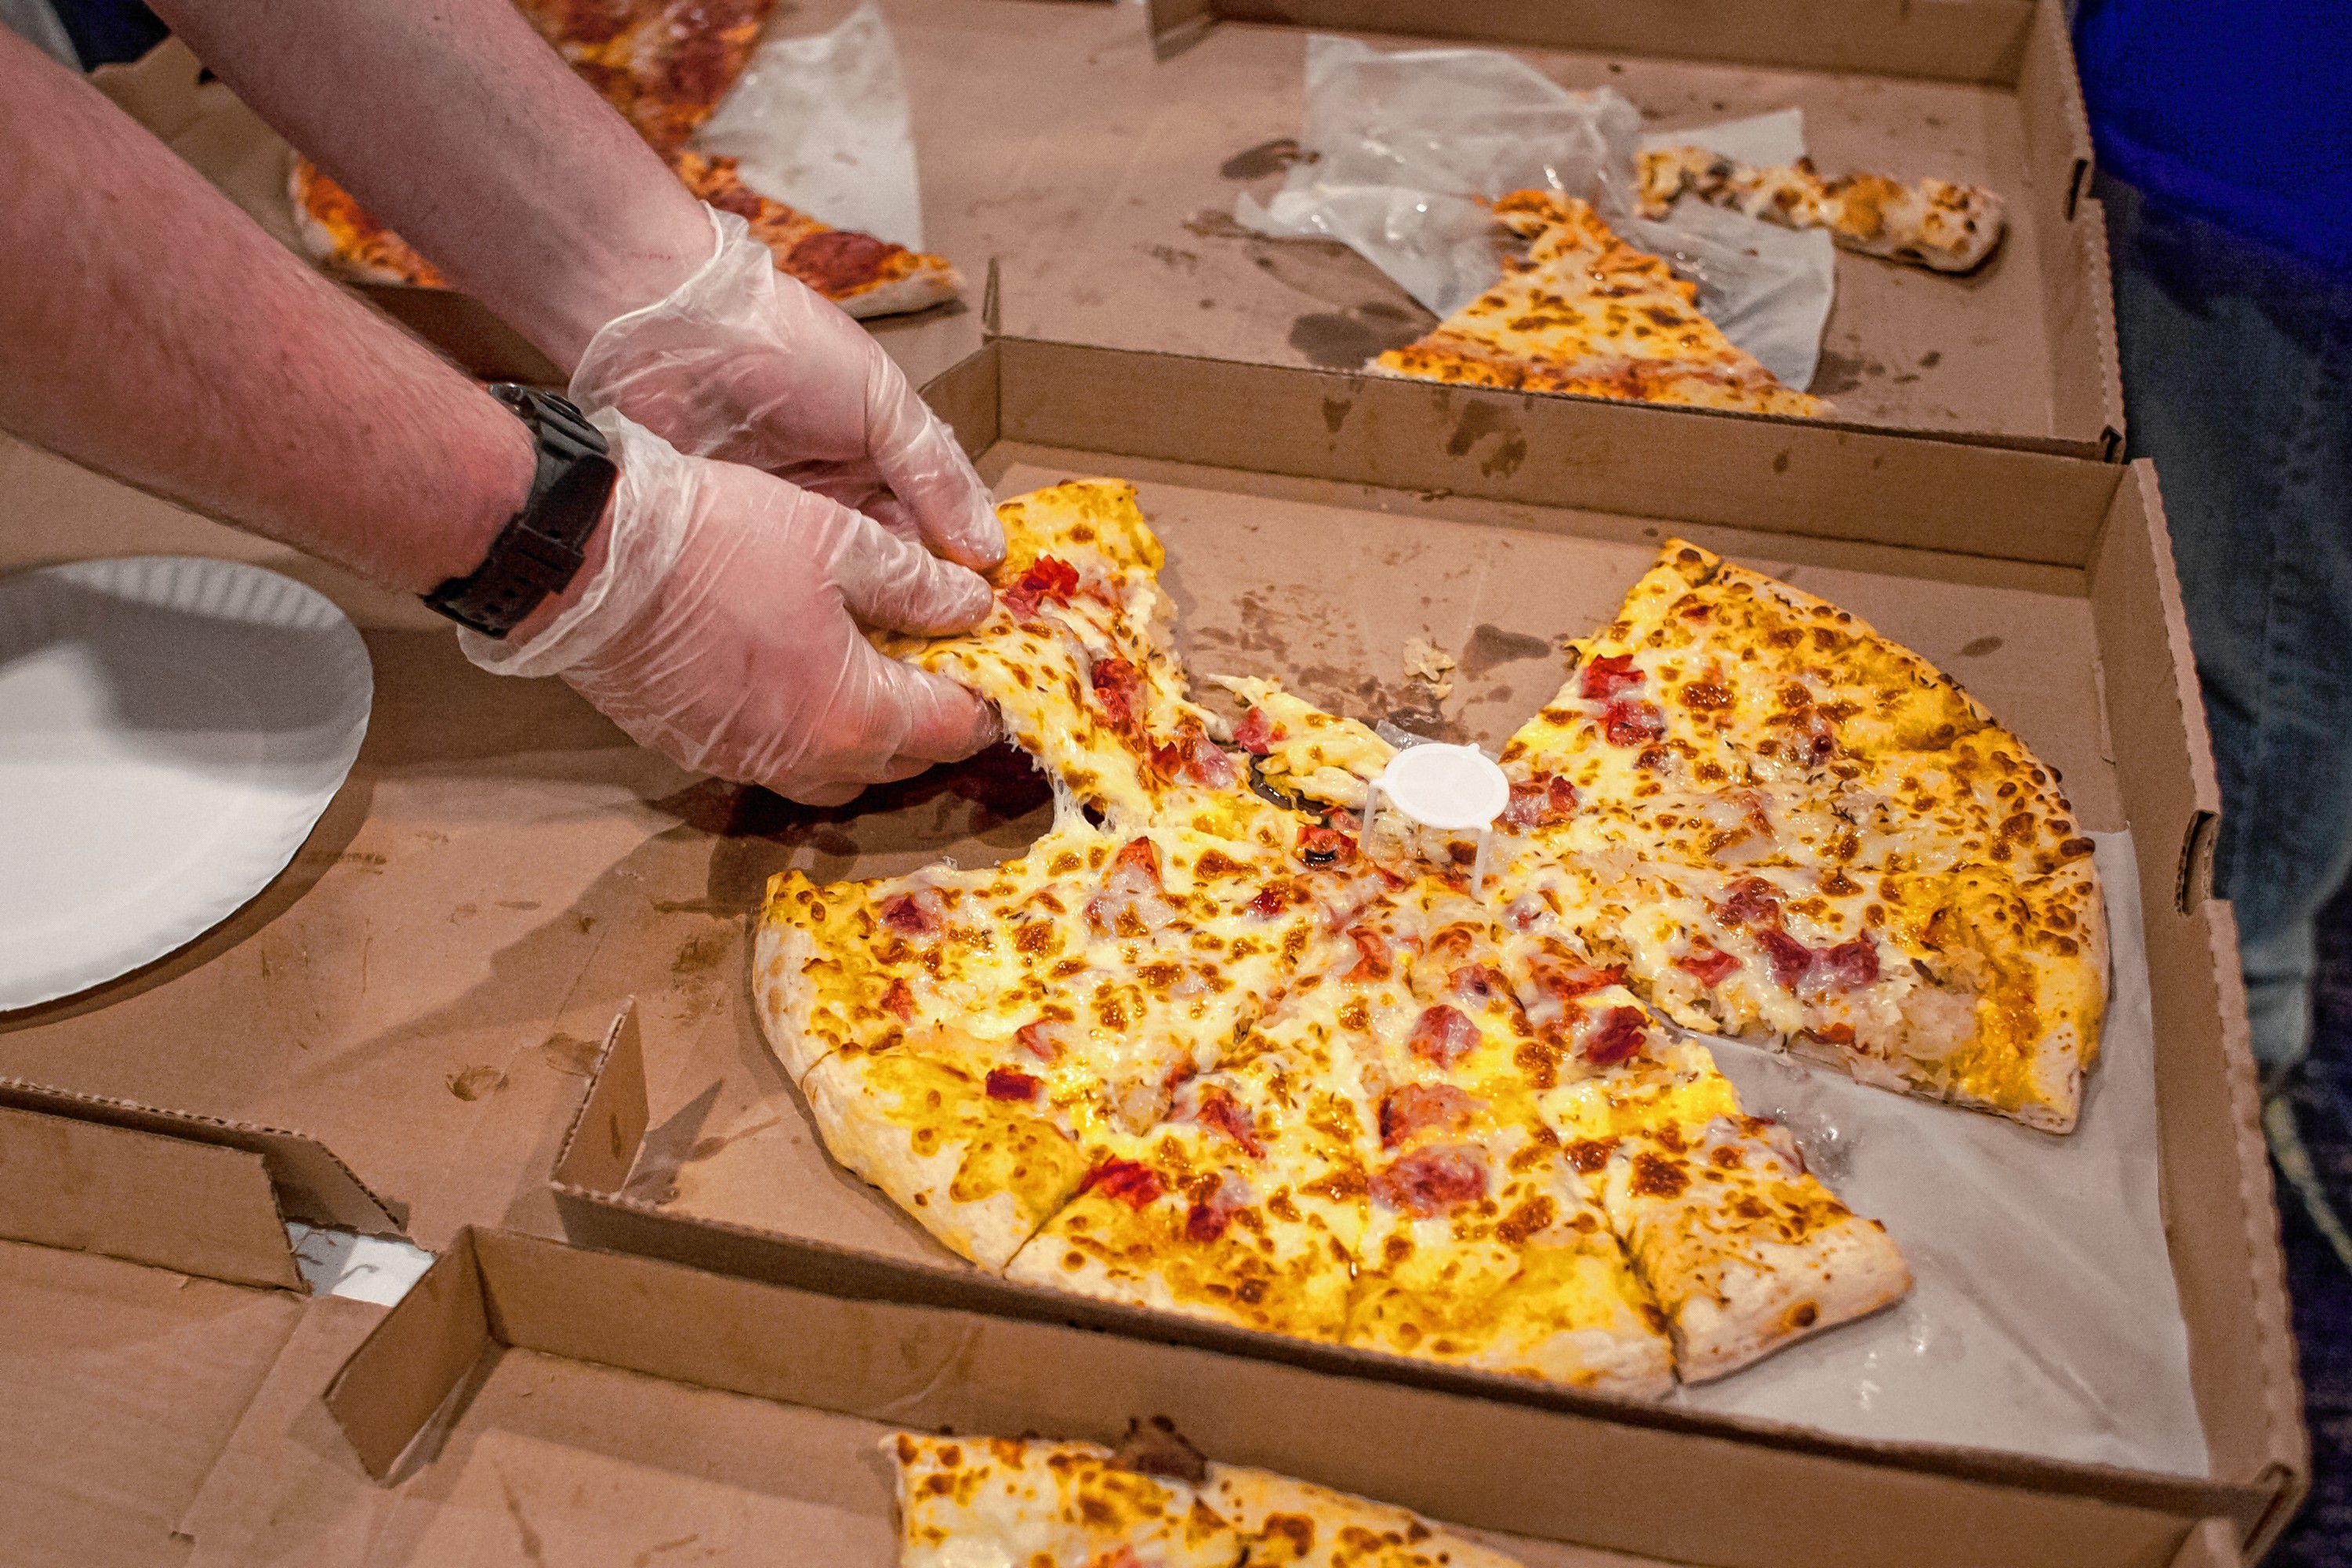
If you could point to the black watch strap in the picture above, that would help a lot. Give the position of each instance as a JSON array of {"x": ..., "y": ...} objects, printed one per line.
[{"x": 541, "y": 547}]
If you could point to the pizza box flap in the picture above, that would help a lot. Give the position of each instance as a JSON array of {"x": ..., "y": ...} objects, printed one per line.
[
  {"x": 757, "y": 1403},
  {"x": 307, "y": 1180},
  {"x": 124, "y": 1379},
  {"x": 170, "y": 1203},
  {"x": 1954, "y": 40}
]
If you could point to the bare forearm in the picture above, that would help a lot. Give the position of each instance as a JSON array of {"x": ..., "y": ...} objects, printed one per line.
[
  {"x": 454, "y": 123},
  {"x": 148, "y": 329}
]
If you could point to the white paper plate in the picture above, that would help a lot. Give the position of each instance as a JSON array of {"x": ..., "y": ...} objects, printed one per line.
[{"x": 171, "y": 728}]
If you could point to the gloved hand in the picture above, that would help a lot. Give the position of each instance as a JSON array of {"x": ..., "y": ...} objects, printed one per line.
[
  {"x": 744, "y": 362},
  {"x": 717, "y": 629}
]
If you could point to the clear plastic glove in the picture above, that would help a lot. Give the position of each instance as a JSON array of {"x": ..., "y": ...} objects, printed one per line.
[
  {"x": 718, "y": 629},
  {"x": 746, "y": 363}
]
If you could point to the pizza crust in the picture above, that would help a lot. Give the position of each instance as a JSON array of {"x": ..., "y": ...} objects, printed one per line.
[
  {"x": 780, "y": 957},
  {"x": 925, "y": 1175},
  {"x": 1785, "y": 1294},
  {"x": 933, "y": 282}
]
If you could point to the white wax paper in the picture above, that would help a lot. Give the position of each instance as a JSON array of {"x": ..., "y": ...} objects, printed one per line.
[
  {"x": 2045, "y": 1320},
  {"x": 820, "y": 122}
]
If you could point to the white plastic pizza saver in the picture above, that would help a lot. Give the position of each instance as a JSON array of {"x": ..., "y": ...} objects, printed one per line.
[{"x": 1454, "y": 789}]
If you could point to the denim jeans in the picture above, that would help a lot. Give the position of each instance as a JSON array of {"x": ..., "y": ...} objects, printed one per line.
[{"x": 2237, "y": 366}]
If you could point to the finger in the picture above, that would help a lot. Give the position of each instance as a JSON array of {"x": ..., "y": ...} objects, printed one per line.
[
  {"x": 892, "y": 514},
  {"x": 896, "y": 585},
  {"x": 925, "y": 467},
  {"x": 942, "y": 721}
]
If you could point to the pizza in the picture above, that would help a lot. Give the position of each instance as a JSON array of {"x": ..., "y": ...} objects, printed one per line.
[
  {"x": 1934, "y": 224},
  {"x": 964, "y": 1502},
  {"x": 1780, "y": 823},
  {"x": 664, "y": 64},
  {"x": 339, "y": 234},
  {"x": 862, "y": 275},
  {"x": 1582, "y": 311},
  {"x": 1205, "y": 1048}
]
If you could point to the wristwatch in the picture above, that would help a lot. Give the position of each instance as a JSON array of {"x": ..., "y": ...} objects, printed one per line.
[{"x": 541, "y": 549}]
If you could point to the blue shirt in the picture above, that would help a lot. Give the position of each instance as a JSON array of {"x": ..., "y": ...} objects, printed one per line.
[{"x": 2238, "y": 112}]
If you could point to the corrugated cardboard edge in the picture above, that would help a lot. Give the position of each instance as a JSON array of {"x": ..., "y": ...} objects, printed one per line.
[
  {"x": 1951, "y": 40},
  {"x": 2282, "y": 1460},
  {"x": 1540, "y": 448},
  {"x": 935, "y": 1366},
  {"x": 599, "y": 1147},
  {"x": 415, "y": 1364},
  {"x": 312, "y": 1183},
  {"x": 147, "y": 1197}
]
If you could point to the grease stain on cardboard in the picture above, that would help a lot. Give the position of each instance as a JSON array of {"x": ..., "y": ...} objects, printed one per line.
[
  {"x": 1265, "y": 158},
  {"x": 1347, "y": 340},
  {"x": 1490, "y": 646}
]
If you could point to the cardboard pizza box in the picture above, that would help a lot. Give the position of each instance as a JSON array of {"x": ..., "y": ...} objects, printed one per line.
[
  {"x": 2022, "y": 352},
  {"x": 587, "y": 1401},
  {"x": 148, "y": 1292},
  {"x": 1095, "y": 152},
  {"x": 428, "y": 986}
]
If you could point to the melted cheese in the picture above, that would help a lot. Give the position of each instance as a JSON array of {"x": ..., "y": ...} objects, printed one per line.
[
  {"x": 1001, "y": 1503},
  {"x": 1586, "y": 313}
]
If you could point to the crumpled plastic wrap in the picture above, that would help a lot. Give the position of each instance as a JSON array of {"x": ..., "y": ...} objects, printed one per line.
[
  {"x": 1404, "y": 146},
  {"x": 820, "y": 122}
]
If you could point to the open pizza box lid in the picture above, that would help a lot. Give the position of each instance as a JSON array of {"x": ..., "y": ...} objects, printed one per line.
[
  {"x": 1122, "y": 234},
  {"x": 149, "y": 1287}
]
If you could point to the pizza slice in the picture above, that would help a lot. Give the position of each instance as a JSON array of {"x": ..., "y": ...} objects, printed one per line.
[
  {"x": 1934, "y": 224},
  {"x": 1077, "y": 659},
  {"x": 1486, "y": 1246},
  {"x": 1782, "y": 822},
  {"x": 1742, "y": 1249},
  {"x": 339, "y": 234},
  {"x": 1245, "y": 1206},
  {"x": 1286, "y": 1521},
  {"x": 1584, "y": 312},
  {"x": 664, "y": 64},
  {"x": 1042, "y": 1504},
  {"x": 966, "y": 1501},
  {"x": 864, "y": 275},
  {"x": 1297, "y": 749}
]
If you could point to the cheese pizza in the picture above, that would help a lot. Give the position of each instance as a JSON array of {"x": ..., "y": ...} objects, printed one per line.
[
  {"x": 1204, "y": 1049},
  {"x": 1781, "y": 822},
  {"x": 1581, "y": 311},
  {"x": 1935, "y": 224},
  {"x": 968, "y": 1502}
]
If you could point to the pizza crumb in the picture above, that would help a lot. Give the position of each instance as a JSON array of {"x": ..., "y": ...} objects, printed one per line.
[{"x": 1431, "y": 665}]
